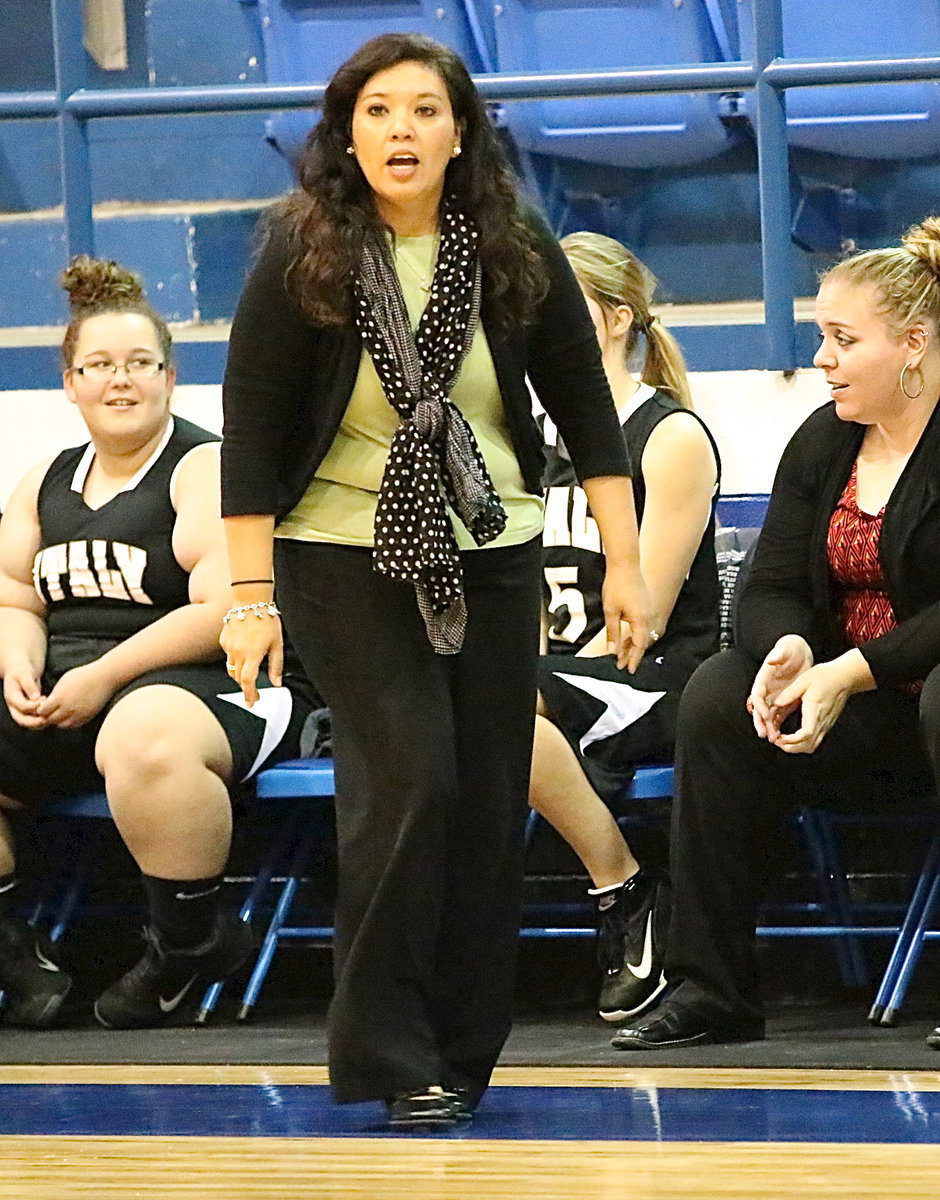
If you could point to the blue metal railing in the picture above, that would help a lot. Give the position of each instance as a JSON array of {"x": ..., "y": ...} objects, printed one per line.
[{"x": 769, "y": 76}]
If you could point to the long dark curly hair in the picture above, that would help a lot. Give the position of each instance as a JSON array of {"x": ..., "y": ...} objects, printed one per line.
[{"x": 328, "y": 215}]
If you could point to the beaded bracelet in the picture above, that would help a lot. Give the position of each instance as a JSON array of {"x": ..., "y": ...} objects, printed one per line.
[{"x": 264, "y": 608}]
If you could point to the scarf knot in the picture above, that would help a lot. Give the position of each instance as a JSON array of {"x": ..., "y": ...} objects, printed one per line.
[
  {"x": 434, "y": 458},
  {"x": 429, "y": 419}
]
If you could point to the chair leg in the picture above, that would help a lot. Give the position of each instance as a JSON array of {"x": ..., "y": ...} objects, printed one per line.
[
  {"x": 858, "y": 973},
  {"x": 285, "y": 900},
  {"x": 830, "y": 875},
  {"x": 909, "y": 924},
  {"x": 910, "y": 941},
  {"x": 258, "y": 888},
  {"x": 531, "y": 824},
  {"x": 62, "y": 911}
]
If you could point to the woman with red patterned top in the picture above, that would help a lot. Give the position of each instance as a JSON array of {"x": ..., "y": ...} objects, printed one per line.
[{"x": 832, "y": 693}]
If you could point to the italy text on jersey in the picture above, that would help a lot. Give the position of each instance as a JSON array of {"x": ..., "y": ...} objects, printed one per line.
[{"x": 91, "y": 569}]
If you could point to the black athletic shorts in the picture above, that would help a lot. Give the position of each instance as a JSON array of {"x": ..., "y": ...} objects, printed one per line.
[
  {"x": 37, "y": 765},
  {"x": 611, "y": 719}
]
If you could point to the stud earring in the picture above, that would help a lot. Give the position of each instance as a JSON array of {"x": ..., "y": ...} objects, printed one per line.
[
  {"x": 455, "y": 153},
  {"x": 350, "y": 149}
]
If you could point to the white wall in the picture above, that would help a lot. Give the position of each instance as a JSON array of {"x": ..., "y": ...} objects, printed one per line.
[
  {"x": 38, "y": 424},
  {"x": 750, "y": 413}
]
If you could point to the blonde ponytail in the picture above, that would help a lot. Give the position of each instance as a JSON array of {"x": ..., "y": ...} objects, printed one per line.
[
  {"x": 664, "y": 366},
  {"x": 611, "y": 275}
]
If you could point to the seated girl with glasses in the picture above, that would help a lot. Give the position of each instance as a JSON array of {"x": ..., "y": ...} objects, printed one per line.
[{"x": 113, "y": 584}]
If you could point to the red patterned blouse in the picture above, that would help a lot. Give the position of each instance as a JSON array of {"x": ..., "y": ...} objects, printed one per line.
[{"x": 865, "y": 611}]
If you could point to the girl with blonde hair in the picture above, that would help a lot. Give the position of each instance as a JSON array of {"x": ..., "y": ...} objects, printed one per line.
[{"x": 596, "y": 720}]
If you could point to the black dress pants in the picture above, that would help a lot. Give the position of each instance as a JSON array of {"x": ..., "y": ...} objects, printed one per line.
[
  {"x": 432, "y": 756},
  {"x": 733, "y": 792}
]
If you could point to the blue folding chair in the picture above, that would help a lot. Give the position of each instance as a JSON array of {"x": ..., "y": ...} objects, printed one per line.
[
  {"x": 61, "y": 897},
  {"x": 833, "y": 910},
  {"x": 292, "y": 844},
  {"x": 914, "y": 931},
  {"x": 302, "y": 780},
  {"x": 58, "y": 904},
  {"x": 650, "y": 783}
]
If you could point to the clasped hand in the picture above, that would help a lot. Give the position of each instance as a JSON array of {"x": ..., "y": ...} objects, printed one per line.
[
  {"x": 75, "y": 699},
  {"x": 788, "y": 680}
]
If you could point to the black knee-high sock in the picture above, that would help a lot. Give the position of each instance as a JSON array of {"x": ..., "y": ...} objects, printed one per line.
[{"x": 184, "y": 911}]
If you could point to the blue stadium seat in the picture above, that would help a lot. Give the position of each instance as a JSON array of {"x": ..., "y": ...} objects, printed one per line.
[
  {"x": 614, "y": 35},
  {"x": 742, "y": 509},
  {"x": 884, "y": 120},
  {"x": 306, "y": 40}
]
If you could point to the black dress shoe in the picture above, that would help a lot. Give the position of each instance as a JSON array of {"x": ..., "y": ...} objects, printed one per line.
[
  {"x": 671, "y": 1026},
  {"x": 933, "y": 1039},
  {"x": 461, "y": 1102},
  {"x": 427, "y": 1108}
]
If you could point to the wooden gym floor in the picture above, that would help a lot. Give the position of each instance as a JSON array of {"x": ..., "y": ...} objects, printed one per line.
[{"x": 612, "y": 1132}]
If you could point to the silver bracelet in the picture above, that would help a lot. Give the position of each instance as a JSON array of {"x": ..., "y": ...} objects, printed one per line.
[{"x": 264, "y": 608}]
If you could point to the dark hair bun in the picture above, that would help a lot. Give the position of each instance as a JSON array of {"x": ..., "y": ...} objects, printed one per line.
[
  {"x": 923, "y": 241},
  {"x": 94, "y": 283}
]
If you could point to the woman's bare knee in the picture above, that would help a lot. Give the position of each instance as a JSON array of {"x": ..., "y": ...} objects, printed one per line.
[{"x": 159, "y": 731}]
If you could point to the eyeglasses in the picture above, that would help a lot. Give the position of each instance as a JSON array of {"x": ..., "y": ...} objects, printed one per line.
[{"x": 136, "y": 368}]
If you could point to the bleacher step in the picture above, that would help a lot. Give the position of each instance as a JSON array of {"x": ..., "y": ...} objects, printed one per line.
[{"x": 192, "y": 256}]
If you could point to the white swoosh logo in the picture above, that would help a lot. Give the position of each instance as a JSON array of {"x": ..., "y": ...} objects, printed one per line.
[
  {"x": 167, "y": 1006},
  {"x": 645, "y": 965},
  {"x": 46, "y": 963},
  {"x": 197, "y": 895}
]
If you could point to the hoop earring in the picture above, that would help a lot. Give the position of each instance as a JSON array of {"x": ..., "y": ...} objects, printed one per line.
[
  {"x": 911, "y": 395},
  {"x": 350, "y": 149}
]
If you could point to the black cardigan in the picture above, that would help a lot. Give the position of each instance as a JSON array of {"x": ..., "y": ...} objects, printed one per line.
[
  {"x": 288, "y": 383},
  {"x": 790, "y": 589}
]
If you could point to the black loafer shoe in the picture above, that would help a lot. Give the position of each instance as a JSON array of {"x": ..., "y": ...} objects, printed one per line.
[
  {"x": 933, "y": 1039},
  {"x": 671, "y": 1027},
  {"x": 461, "y": 1104},
  {"x": 429, "y": 1108}
]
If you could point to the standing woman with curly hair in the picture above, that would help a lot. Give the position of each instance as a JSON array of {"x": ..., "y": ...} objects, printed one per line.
[{"x": 378, "y": 432}]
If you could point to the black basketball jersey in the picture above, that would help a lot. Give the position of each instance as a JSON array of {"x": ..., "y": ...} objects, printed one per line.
[
  {"x": 110, "y": 571},
  {"x": 573, "y": 559}
]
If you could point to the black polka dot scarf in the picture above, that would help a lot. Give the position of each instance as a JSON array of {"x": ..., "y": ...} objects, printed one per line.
[{"x": 434, "y": 457}]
